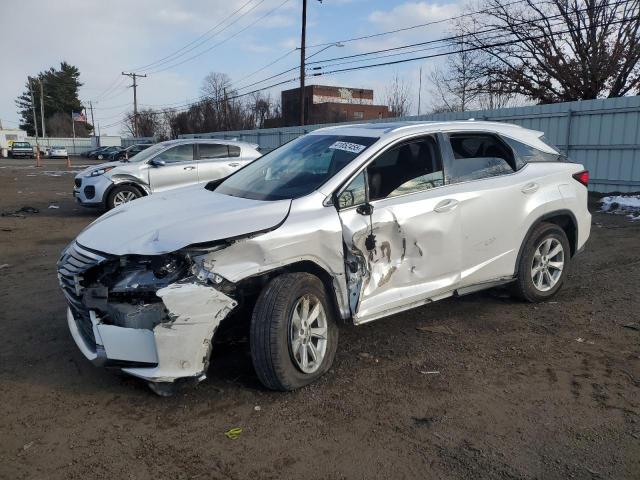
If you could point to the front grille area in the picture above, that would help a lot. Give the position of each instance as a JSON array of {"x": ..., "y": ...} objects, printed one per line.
[
  {"x": 73, "y": 263},
  {"x": 78, "y": 182}
]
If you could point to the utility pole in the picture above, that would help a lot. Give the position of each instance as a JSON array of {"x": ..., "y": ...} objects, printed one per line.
[
  {"x": 35, "y": 124},
  {"x": 93, "y": 124},
  {"x": 135, "y": 100},
  {"x": 302, "y": 55},
  {"x": 44, "y": 131}
]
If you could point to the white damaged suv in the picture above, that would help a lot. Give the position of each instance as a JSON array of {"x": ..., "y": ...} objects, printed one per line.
[
  {"x": 163, "y": 166},
  {"x": 349, "y": 223}
]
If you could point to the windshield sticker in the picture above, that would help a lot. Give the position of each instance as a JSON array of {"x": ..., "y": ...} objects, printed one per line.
[{"x": 348, "y": 147}]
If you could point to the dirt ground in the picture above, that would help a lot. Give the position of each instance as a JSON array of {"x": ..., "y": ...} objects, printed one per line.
[{"x": 516, "y": 391}]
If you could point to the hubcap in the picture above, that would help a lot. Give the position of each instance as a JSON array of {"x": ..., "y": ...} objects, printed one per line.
[
  {"x": 547, "y": 265},
  {"x": 123, "y": 197},
  {"x": 308, "y": 333}
]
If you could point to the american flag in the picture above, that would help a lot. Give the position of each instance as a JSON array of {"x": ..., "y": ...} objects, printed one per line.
[{"x": 78, "y": 117}]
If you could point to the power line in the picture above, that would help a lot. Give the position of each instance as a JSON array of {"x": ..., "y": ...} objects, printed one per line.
[
  {"x": 222, "y": 41},
  {"x": 205, "y": 34}
]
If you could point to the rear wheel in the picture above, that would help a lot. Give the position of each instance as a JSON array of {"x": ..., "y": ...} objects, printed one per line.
[
  {"x": 122, "y": 194},
  {"x": 544, "y": 262},
  {"x": 293, "y": 332}
]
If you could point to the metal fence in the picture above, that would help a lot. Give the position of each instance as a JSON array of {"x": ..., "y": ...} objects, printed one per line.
[
  {"x": 604, "y": 135},
  {"x": 78, "y": 145}
]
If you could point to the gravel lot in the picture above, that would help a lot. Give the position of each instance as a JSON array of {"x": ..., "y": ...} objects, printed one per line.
[{"x": 521, "y": 391}]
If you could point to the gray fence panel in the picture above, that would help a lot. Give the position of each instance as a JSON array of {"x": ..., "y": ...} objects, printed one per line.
[{"x": 602, "y": 134}]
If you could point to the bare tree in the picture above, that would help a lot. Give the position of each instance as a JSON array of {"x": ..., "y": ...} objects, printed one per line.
[
  {"x": 397, "y": 97},
  {"x": 149, "y": 124},
  {"x": 560, "y": 50}
]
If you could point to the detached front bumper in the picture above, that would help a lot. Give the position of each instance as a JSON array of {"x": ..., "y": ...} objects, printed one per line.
[{"x": 176, "y": 349}]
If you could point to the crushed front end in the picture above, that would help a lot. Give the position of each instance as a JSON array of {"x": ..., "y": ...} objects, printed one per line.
[{"x": 153, "y": 316}]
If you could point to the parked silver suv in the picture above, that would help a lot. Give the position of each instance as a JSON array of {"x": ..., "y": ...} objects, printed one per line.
[{"x": 166, "y": 165}]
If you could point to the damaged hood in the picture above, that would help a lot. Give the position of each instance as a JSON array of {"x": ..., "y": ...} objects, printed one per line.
[{"x": 166, "y": 222}]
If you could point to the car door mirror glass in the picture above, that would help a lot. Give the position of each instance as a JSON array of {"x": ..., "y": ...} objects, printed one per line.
[
  {"x": 354, "y": 194},
  {"x": 158, "y": 162}
]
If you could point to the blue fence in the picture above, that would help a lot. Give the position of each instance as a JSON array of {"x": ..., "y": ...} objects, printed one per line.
[{"x": 604, "y": 135}]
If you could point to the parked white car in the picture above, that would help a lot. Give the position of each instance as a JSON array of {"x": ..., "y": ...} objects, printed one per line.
[
  {"x": 348, "y": 223},
  {"x": 166, "y": 165},
  {"x": 58, "y": 152}
]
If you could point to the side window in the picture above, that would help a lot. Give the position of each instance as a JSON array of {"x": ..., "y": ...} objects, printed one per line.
[
  {"x": 479, "y": 156},
  {"x": 179, "y": 153},
  {"x": 234, "y": 151},
  {"x": 407, "y": 168},
  {"x": 354, "y": 194},
  {"x": 526, "y": 153},
  {"x": 212, "y": 150}
]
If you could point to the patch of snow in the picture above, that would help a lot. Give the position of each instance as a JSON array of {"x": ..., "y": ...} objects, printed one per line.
[{"x": 622, "y": 204}]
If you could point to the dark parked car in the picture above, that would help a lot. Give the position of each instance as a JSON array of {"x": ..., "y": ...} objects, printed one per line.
[
  {"x": 127, "y": 153},
  {"x": 22, "y": 150},
  {"x": 102, "y": 153}
]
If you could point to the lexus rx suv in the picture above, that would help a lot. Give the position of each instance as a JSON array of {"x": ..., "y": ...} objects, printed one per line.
[
  {"x": 166, "y": 165},
  {"x": 348, "y": 223}
]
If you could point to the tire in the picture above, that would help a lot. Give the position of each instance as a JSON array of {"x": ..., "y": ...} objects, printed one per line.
[
  {"x": 541, "y": 286},
  {"x": 278, "y": 367},
  {"x": 122, "y": 192}
]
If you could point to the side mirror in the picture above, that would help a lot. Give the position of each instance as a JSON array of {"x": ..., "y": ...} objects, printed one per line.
[{"x": 156, "y": 162}]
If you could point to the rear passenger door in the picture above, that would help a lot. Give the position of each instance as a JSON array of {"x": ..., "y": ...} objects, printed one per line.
[
  {"x": 217, "y": 160},
  {"x": 496, "y": 195}
]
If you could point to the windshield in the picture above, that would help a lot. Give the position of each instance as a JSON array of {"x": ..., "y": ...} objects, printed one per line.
[
  {"x": 295, "y": 169},
  {"x": 21, "y": 145},
  {"x": 147, "y": 153}
]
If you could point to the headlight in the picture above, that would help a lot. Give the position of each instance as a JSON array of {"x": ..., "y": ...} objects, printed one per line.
[{"x": 100, "y": 171}]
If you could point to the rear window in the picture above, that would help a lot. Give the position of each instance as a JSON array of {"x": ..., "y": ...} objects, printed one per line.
[
  {"x": 234, "y": 151},
  {"x": 528, "y": 154}
]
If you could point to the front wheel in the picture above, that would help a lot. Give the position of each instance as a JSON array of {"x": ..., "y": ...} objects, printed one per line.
[
  {"x": 122, "y": 194},
  {"x": 293, "y": 332},
  {"x": 543, "y": 264}
]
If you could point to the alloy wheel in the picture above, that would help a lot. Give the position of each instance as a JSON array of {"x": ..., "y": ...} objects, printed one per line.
[
  {"x": 547, "y": 265},
  {"x": 123, "y": 197},
  {"x": 308, "y": 333}
]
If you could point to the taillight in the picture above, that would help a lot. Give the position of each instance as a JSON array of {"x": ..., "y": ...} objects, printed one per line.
[{"x": 582, "y": 177}]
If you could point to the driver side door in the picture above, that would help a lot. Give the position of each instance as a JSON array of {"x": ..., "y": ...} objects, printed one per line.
[{"x": 401, "y": 230}]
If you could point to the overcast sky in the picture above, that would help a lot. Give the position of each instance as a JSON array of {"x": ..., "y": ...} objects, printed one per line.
[{"x": 103, "y": 38}]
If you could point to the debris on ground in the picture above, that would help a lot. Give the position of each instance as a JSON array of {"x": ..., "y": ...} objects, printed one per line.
[
  {"x": 430, "y": 372},
  {"x": 20, "y": 212},
  {"x": 443, "y": 329},
  {"x": 632, "y": 325},
  {"x": 622, "y": 204},
  {"x": 54, "y": 206},
  {"x": 582, "y": 340},
  {"x": 4, "y": 265},
  {"x": 234, "y": 433},
  {"x": 257, "y": 408}
]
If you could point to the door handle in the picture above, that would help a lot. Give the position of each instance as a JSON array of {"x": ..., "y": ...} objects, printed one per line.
[
  {"x": 190, "y": 168},
  {"x": 530, "y": 187},
  {"x": 446, "y": 205},
  {"x": 234, "y": 164}
]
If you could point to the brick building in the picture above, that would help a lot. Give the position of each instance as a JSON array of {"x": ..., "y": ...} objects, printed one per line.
[{"x": 325, "y": 104}]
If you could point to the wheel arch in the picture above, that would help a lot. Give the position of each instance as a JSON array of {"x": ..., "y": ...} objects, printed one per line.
[
  {"x": 249, "y": 284},
  {"x": 565, "y": 219},
  {"x": 125, "y": 181}
]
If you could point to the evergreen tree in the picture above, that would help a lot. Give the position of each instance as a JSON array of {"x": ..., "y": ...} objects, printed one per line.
[{"x": 60, "y": 88}]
